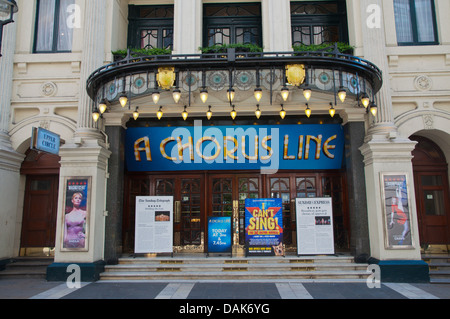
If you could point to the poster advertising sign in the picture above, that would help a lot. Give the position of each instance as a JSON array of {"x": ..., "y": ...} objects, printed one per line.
[
  {"x": 315, "y": 226},
  {"x": 77, "y": 192},
  {"x": 396, "y": 205},
  {"x": 154, "y": 224},
  {"x": 219, "y": 234},
  {"x": 264, "y": 227}
]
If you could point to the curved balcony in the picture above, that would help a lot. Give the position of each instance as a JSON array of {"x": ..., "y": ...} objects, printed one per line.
[{"x": 333, "y": 75}]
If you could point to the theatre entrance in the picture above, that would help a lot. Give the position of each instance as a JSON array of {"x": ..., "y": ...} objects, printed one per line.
[
  {"x": 202, "y": 194},
  {"x": 40, "y": 204},
  {"x": 432, "y": 192}
]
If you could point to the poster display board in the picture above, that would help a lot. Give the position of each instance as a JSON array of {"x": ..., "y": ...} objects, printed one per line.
[
  {"x": 77, "y": 199},
  {"x": 315, "y": 226},
  {"x": 219, "y": 234},
  {"x": 154, "y": 224},
  {"x": 264, "y": 227},
  {"x": 395, "y": 196}
]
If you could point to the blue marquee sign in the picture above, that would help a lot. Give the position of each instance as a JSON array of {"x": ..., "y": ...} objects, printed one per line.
[{"x": 264, "y": 147}]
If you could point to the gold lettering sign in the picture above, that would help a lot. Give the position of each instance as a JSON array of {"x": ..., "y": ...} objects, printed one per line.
[
  {"x": 229, "y": 149},
  {"x": 295, "y": 74}
]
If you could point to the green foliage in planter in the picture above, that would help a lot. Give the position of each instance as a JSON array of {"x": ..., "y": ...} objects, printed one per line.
[
  {"x": 142, "y": 52},
  {"x": 238, "y": 47},
  {"x": 327, "y": 47}
]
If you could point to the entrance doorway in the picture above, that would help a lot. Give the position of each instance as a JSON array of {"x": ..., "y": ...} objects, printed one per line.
[
  {"x": 432, "y": 192},
  {"x": 40, "y": 204},
  {"x": 222, "y": 194}
]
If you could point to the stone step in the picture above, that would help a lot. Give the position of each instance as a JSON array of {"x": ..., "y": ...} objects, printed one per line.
[
  {"x": 238, "y": 260},
  {"x": 436, "y": 258},
  {"x": 252, "y": 268},
  {"x": 439, "y": 265},
  {"x": 26, "y": 267},
  {"x": 233, "y": 275},
  {"x": 229, "y": 266}
]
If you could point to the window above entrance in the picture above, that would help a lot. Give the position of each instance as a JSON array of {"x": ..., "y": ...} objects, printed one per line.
[{"x": 150, "y": 27}]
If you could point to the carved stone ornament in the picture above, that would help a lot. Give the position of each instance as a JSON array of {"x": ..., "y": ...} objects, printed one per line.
[
  {"x": 428, "y": 122},
  {"x": 423, "y": 83},
  {"x": 49, "y": 89}
]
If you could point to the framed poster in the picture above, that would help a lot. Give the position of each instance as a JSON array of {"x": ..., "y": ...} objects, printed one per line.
[
  {"x": 77, "y": 201},
  {"x": 154, "y": 224},
  {"x": 219, "y": 234},
  {"x": 264, "y": 227},
  {"x": 315, "y": 226},
  {"x": 396, "y": 210}
]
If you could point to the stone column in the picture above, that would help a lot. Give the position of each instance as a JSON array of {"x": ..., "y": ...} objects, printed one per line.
[
  {"x": 276, "y": 25},
  {"x": 374, "y": 44},
  {"x": 92, "y": 58},
  {"x": 10, "y": 160},
  {"x": 188, "y": 22},
  {"x": 86, "y": 155},
  {"x": 386, "y": 152},
  {"x": 356, "y": 187},
  {"x": 114, "y": 194}
]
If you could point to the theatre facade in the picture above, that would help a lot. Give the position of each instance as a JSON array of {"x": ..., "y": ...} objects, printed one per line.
[{"x": 306, "y": 127}]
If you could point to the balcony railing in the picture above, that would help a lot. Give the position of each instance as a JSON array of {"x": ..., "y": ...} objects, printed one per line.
[{"x": 328, "y": 72}]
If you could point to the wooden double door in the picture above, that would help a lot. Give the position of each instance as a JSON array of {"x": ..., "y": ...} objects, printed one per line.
[{"x": 199, "y": 195}]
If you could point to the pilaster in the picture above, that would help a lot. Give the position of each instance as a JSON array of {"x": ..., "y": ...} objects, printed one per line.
[
  {"x": 385, "y": 152},
  {"x": 86, "y": 155},
  {"x": 10, "y": 160},
  {"x": 388, "y": 157},
  {"x": 92, "y": 58},
  {"x": 188, "y": 20},
  {"x": 276, "y": 23}
]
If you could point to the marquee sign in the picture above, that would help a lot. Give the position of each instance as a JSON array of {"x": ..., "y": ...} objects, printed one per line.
[{"x": 264, "y": 147}]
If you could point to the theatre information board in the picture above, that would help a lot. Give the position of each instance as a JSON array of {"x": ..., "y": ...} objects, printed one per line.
[
  {"x": 219, "y": 235},
  {"x": 315, "y": 226},
  {"x": 154, "y": 224}
]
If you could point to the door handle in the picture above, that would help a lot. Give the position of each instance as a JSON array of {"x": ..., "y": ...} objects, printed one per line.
[{"x": 177, "y": 215}]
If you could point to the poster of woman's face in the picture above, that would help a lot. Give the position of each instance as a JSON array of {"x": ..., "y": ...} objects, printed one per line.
[
  {"x": 397, "y": 211},
  {"x": 76, "y": 213}
]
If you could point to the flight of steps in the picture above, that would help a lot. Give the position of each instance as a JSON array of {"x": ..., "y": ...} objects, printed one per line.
[
  {"x": 26, "y": 267},
  {"x": 439, "y": 266},
  {"x": 313, "y": 268}
]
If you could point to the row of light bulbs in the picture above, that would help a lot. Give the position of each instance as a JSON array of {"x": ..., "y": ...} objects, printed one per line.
[
  {"x": 176, "y": 94},
  {"x": 233, "y": 113}
]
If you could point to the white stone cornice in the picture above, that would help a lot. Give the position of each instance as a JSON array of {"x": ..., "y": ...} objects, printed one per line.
[
  {"x": 86, "y": 156},
  {"x": 396, "y": 151},
  {"x": 10, "y": 160}
]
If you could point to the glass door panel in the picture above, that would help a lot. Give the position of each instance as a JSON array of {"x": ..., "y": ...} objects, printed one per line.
[
  {"x": 222, "y": 196},
  {"x": 248, "y": 188},
  {"x": 190, "y": 212},
  {"x": 280, "y": 187}
]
